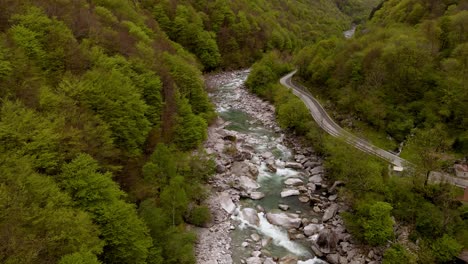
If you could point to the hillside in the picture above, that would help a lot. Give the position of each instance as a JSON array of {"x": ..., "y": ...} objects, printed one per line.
[
  {"x": 404, "y": 70},
  {"x": 102, "y": 104}
]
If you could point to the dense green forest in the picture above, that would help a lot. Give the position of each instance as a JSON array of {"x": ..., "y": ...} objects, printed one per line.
[{"x": 103, "y": 112}]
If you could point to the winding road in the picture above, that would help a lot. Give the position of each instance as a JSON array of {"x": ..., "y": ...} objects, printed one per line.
[{"x": 327, "y": 124}]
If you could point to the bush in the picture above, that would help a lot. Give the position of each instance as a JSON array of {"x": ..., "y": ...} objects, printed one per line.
[
  {"x": 199, "y": 215},
  {"x": 397, "y": 254}
]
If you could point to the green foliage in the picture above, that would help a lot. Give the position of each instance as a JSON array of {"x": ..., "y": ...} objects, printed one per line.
[
  {"x": 397, "y": 254},
  {"x": 37, "y": 220},
  {"x": 79, "y": 258},
  {"x": 446, "y": 248},
  {"x": 199, "y": 215},
  {"x": 190, "y": 129},
  {"x": 124, "y": 233}
]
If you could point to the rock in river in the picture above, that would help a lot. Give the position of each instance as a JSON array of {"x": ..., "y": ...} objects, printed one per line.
[
  {"x": 226, "y": 203},
  {"x": 285, "y": 220},
  {"x": 289, "y": 192},
  {"x": 256, "y": 195},
  {"x": 250, "y": 215},
  {"x": 293, "y": 182},
  {"x": 293, "y": 165},
  {"x": 247, "y": 184}
]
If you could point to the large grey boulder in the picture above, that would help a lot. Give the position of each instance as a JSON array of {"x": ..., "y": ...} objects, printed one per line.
[
  {"x": 250, "y": 215},
  {"x": 317, "y": 170},
  {"x": 327, "y": 240},
  {"x": 330, "y": 212},
  {"x": 247, "y": 184},
  {"x": 226, "y": 203},
  {"x": 285, "y": 220},
  {"x": 312, "y": 229},
  {"x": 316, "y": 178}
]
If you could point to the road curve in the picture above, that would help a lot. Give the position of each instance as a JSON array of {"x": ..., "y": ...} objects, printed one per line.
[{"x": 326, "y": 123}]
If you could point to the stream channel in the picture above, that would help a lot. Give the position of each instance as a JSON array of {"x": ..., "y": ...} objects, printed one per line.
[{"x": 267, "y": 145}]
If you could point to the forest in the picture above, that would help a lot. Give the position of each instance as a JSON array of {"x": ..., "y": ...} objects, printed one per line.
[{"x": 103, "y": 112}]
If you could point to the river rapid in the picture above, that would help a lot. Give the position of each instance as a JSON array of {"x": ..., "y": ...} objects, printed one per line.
[{"x": 269, "y": 199}]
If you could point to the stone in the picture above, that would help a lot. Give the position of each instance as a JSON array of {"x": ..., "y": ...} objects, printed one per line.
[
  {"x": 285, "y": 220},
  {"x": 289, "y": 192},
  {"x": 293, "y": 182},
  {"x": 332, "y": 197},
  {"x": 250, "y": 215},
  {"x": 343, "y": 260},
  {"x": 304, "y": 199},
  {"x": 253, "y": 260},
  {"x": 316, "y": 179},
  {"x": 330, "y": 212},
  {"x": 245, "y": 244},
  {"x": 293, "y": 165},
  {"x": 312, "y": 229},
  {"x": 269, "y": 261},
  {"x": 226, "y": 203},
  {"x": 327, "y": 240},
  {"x": 253, "y": 170},
  {"x": 266, "y": 241},
  {"x": 333, "y": 258},
  {"x": 267, "y": 155},
  {"x": 283, "y": 207},
  {"x": 316, "y": 250},
  {"x": 271, "y": 166},
  {"x": 310, "y": 164},
  {"x": 256, "y": 253},
  {"x": 247, "y": 184},
  {"x": 316, "y": 209},
  {"x": 255, "y": 237},
  {"x": 317, "y": 170},
  {"x": 288, "y": 260},
  {"x": 314, "y": 221},
  {"x": 220, "y": 168},
  {"x": 256, "y": 195}
]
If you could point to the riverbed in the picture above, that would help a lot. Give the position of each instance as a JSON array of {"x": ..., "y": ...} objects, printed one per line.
[{"x": 269, "y": 198}]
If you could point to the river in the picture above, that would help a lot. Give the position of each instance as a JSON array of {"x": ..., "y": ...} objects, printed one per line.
[{"x": 258, "y": 132}]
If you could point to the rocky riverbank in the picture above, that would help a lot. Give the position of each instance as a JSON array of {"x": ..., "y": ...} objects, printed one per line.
[{"x": 240, "y": 163}]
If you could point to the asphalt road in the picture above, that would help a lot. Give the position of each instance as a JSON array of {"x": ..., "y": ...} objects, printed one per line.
[{"x": 326, "y": 123}]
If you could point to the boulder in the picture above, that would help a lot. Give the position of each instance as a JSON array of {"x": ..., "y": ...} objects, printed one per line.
[
  {"x": 312, "y": 229},
  {"x": 310, "y": 164},
  {"x": 255, "y": 237},
  {"x": 247, "y": 184},
  {"x": 317, "y": 170},
  {"x": 316, "y": 250},
  {"x": 316, "y": 178},
  {"x": 226, "y": 203},
  {"x": 242, "y": 155},
  {"x": 256, "y": 253},
  {"x": 293, "y": 165},
  {"x": 283, "y": 207},
  {"x": 289, "y": 192},
  {"x": 220, "y": 168},
  {"x": 327, "y": 240},
  {"x": 333, "y": 258},
  {"x": 250, "y": 215},
  {"x": 293, "y": 182},
  {"x": 288, "y": 260},
  {"x": 254, "y": 260},
  {"x": 267, "y": 155},
  {"x": 332, "y": 197},
  {"x": 256, "y": 195},
  {"x": 304, "y": 199},
  {"x": 285, "y": 220},
  {"x": 330, "y": 212},
  {"x": 269, "y": 261}
]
